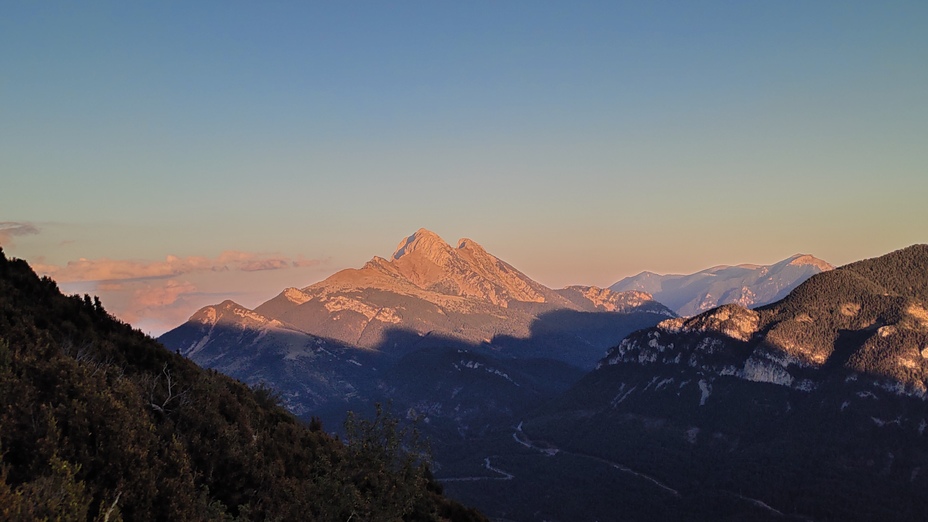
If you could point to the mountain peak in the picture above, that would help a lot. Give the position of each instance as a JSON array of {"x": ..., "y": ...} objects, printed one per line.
[
  {"x": 806, "y": 259},
  {"x": 423, "y": 241},
  {"x": 469, "y": 244},
  {"x": 211, "y": 314},
  {"x": 229, "y": 311}
]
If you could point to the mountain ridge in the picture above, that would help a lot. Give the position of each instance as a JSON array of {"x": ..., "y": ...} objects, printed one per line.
[
  {"x": 856, "y": 299},
  {"x": 744, "y": 284},
  {"x": 431, "y": 288}
]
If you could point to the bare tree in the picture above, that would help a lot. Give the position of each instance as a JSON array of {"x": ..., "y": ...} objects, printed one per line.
[{"x": 170, "y": 393}]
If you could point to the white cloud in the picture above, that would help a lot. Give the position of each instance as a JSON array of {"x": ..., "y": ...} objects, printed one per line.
[{"x": 105, "y": 269}]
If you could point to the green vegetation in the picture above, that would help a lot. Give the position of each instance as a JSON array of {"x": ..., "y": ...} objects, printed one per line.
[{"x": 99, "y": 422}]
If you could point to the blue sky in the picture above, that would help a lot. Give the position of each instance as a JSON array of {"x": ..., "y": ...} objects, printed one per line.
[{"x": 580, "y": 141}]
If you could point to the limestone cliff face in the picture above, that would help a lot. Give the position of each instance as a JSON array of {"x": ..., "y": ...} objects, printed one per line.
[
  {"x": 426, "y": 267},
  {"x": 595, "y": 299},
  {"x": 426, "y": 261}
]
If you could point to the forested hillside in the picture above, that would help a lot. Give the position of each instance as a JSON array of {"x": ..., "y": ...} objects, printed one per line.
[
  {"x": 100, "y": 422},
  {"x": 813, "y": 407}
]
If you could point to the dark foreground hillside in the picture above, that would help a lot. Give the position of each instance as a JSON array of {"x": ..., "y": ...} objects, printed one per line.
[{"x": 100, "y": 422}]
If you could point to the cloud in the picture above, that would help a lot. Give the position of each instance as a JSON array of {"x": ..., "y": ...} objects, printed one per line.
[
  {"x": 162, "y": 296},
  {"x": 157, "y": 295},
  {"x": 109, "y": 270},
  {"x": 160, "y": 304},
  {"x": 111, "y": 287},
  {"x": 265, "y": 264},
  {"x": 9, "y": 229},
  {"x": 301, "y": 261}
]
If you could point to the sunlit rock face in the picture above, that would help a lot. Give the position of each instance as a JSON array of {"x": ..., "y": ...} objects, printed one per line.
[
  {"x": 428, "y": 289},
  {"x": 426, "y": 261}
]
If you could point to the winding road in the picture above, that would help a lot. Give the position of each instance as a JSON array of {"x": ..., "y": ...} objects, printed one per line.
[
  {"x": 487, "y": 465},
  {"x": 523, "y": 439},
  {"x": 519, "y": 436}
]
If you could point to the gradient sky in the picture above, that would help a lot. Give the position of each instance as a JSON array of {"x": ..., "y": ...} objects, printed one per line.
[{"x": 268, "y": 144}]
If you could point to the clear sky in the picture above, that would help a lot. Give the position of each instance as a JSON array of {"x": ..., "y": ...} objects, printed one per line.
[{"x": 167, "y": 155}]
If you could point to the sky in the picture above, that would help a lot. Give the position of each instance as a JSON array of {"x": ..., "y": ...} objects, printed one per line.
[{"x": 169, "y": 155}]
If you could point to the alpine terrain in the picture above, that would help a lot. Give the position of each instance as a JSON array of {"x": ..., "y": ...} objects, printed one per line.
[{"x": 745, "y": 285}]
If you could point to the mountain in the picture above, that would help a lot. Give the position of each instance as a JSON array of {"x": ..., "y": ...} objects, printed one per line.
[
  {"x": 463, "y": 293},
  {"x": 100, "y": 422},
  {"x": 328, "y": 343},
  {"x": 745, "y": 285},
  {"x": 813, "y": 407}
]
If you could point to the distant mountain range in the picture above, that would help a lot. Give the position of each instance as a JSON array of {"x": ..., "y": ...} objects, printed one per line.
[{"x": 745, "y": 285}]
